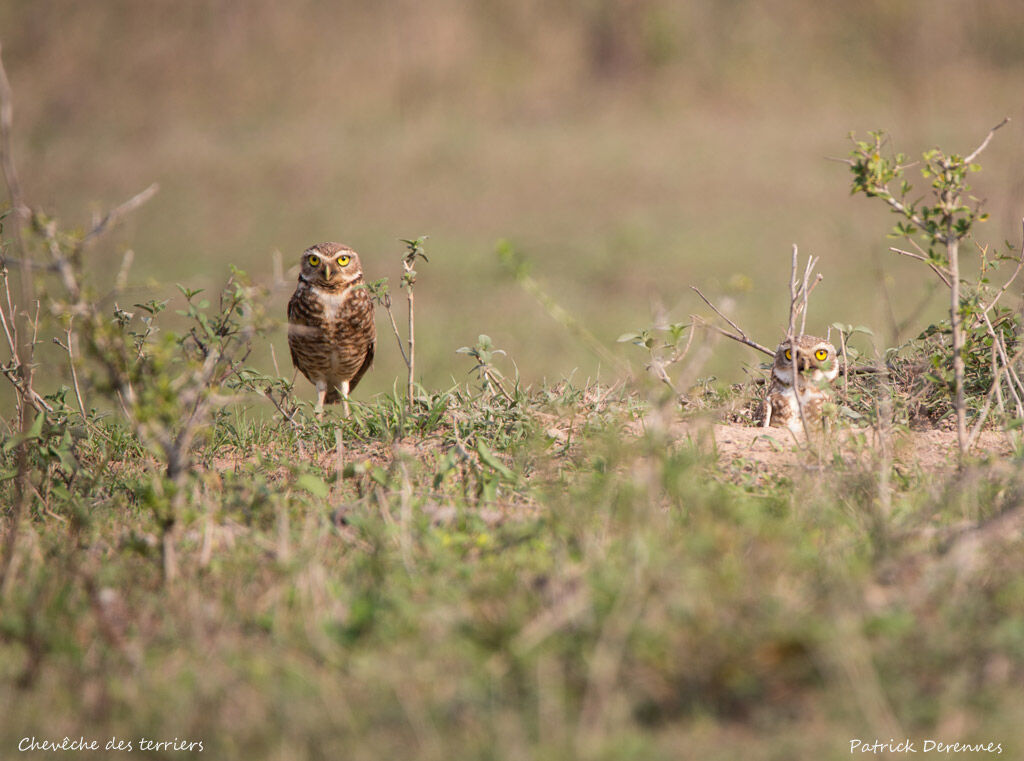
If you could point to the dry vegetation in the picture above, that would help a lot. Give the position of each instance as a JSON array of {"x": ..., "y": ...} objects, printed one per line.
[{"x": 504, "y": 567}]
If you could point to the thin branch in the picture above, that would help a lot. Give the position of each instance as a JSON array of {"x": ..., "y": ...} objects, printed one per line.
[
  {"x": 10, "y": 330},
  {"x": 678, "y": 356},
  {"x": 800, "y": 290},
  {"x": 7, "y": 156},
  {"x": 986, "y": 141},
  {"x": 817, "y": 279},
  {"x": 61, "y": 264},
  {"x": 114, "y": 216},
  {"x": 497, "y": 382},
  {"x": 739, "y": 336},
  {"x": 943, "y": 274},
  {"x": 699, "y": 321},
  {"x": 386, "y": 303},
  {"x": 797, "y": 391},
  {"x": 37, "y": 266},
  {"x": 792, "y": 293},
  {"x": 71, "y": 362},
  {"x": 22, "y": 354},
  {"x": 717, "y": 311},
  {"x": 807, "y": 291},
  {"x": 411, "y": 340}
]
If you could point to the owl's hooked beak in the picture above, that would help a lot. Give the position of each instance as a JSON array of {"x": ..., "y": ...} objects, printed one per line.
[{"x": 329, "y": 271}]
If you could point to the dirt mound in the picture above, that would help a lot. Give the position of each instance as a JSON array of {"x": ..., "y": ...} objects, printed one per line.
[{"x": 933, "y": 450}]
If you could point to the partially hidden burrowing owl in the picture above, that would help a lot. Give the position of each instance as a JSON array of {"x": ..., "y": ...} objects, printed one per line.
[
  {"x": 330, "y": 322},
  {"x": 816, "y": 367}
]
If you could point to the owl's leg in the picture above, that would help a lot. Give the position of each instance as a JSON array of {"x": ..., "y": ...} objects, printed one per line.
[
  {"x": 321, "y": 394},
  {"x": 767, "y": 421},
  {"x": 344, "y": 398}
]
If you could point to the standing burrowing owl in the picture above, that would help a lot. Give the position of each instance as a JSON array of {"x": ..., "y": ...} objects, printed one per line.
[
  {"x": 816, "y": 366},
  {"x": 330, "y": 322}
]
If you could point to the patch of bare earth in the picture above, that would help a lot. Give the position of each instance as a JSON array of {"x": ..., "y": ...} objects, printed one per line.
[{"x": 778, "y": 449}]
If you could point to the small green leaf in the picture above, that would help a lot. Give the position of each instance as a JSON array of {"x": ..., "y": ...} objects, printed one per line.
[
  {"x": 37, "y": 427},
  {"x": 379, "y": 475},
  {"x": 488, "y": 458},
  {"x": 313, "y": 484}
]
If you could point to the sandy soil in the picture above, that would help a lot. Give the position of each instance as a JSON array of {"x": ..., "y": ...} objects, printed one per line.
[{"x": 933, "y": 450}]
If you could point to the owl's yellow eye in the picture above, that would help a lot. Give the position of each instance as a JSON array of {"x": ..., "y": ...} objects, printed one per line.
[
  {"x": 821, "y": 355},
  {"x": 344, "y": 259},
  {"x": 314, "y": 260},
  {"x": 789, "y": 354}
]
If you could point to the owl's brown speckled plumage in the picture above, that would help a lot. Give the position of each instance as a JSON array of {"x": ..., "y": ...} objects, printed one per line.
[
  {"x": 816, "y": 367},
  {"x": 330, "y": 322}
]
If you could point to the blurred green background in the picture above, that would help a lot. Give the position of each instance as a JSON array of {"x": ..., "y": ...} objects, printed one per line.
[{"x": 628, "y": 148}]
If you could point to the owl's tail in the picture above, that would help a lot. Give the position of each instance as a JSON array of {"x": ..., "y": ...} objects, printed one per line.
[{"x": 333, "y": 396}]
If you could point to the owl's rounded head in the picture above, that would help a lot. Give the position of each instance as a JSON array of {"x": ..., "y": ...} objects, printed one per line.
[
  {"x": 330, "y": 266},
  {"x": 815, "y": 358}
]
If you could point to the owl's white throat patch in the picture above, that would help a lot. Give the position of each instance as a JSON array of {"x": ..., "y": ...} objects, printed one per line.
[
  {"x": 784, "y": 375},
  {"x": 332, "y": 301}
]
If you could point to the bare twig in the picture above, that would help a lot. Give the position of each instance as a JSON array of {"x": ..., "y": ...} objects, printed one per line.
[
  {"x": 717, "y": 311},
  {"x": 121, "y": 281},
  {"x": 956, "y": 325},
  {"x": 273, "y": 358},
  {"x": 68, "y": 347},
  {"x": 986, "y": 141},
  {"x": 799, "y": 292},
  {"x": 943, "y": 274},
  {"x": 412, "y": 345},
  {"x": 11, "y": 261},
  {"x": 792, "y": 293},
  {"x": 385, "y": 302},
  {"x": 7, "y": 156},
  {"x": 846, "y": 363},
  {"x": 701, "y": 322},
  {"x": 739, "y": 335},
  {"x": 657, "y": 365},
  {"x": 808, "y": 290},
  {"x": 497, "y": 382},
  {"x": 114, "y": 216}
]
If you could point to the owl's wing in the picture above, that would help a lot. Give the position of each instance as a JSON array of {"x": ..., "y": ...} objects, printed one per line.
[
  {"x": 294, "y": 319},
  {"x": 367, "y": 361}
]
